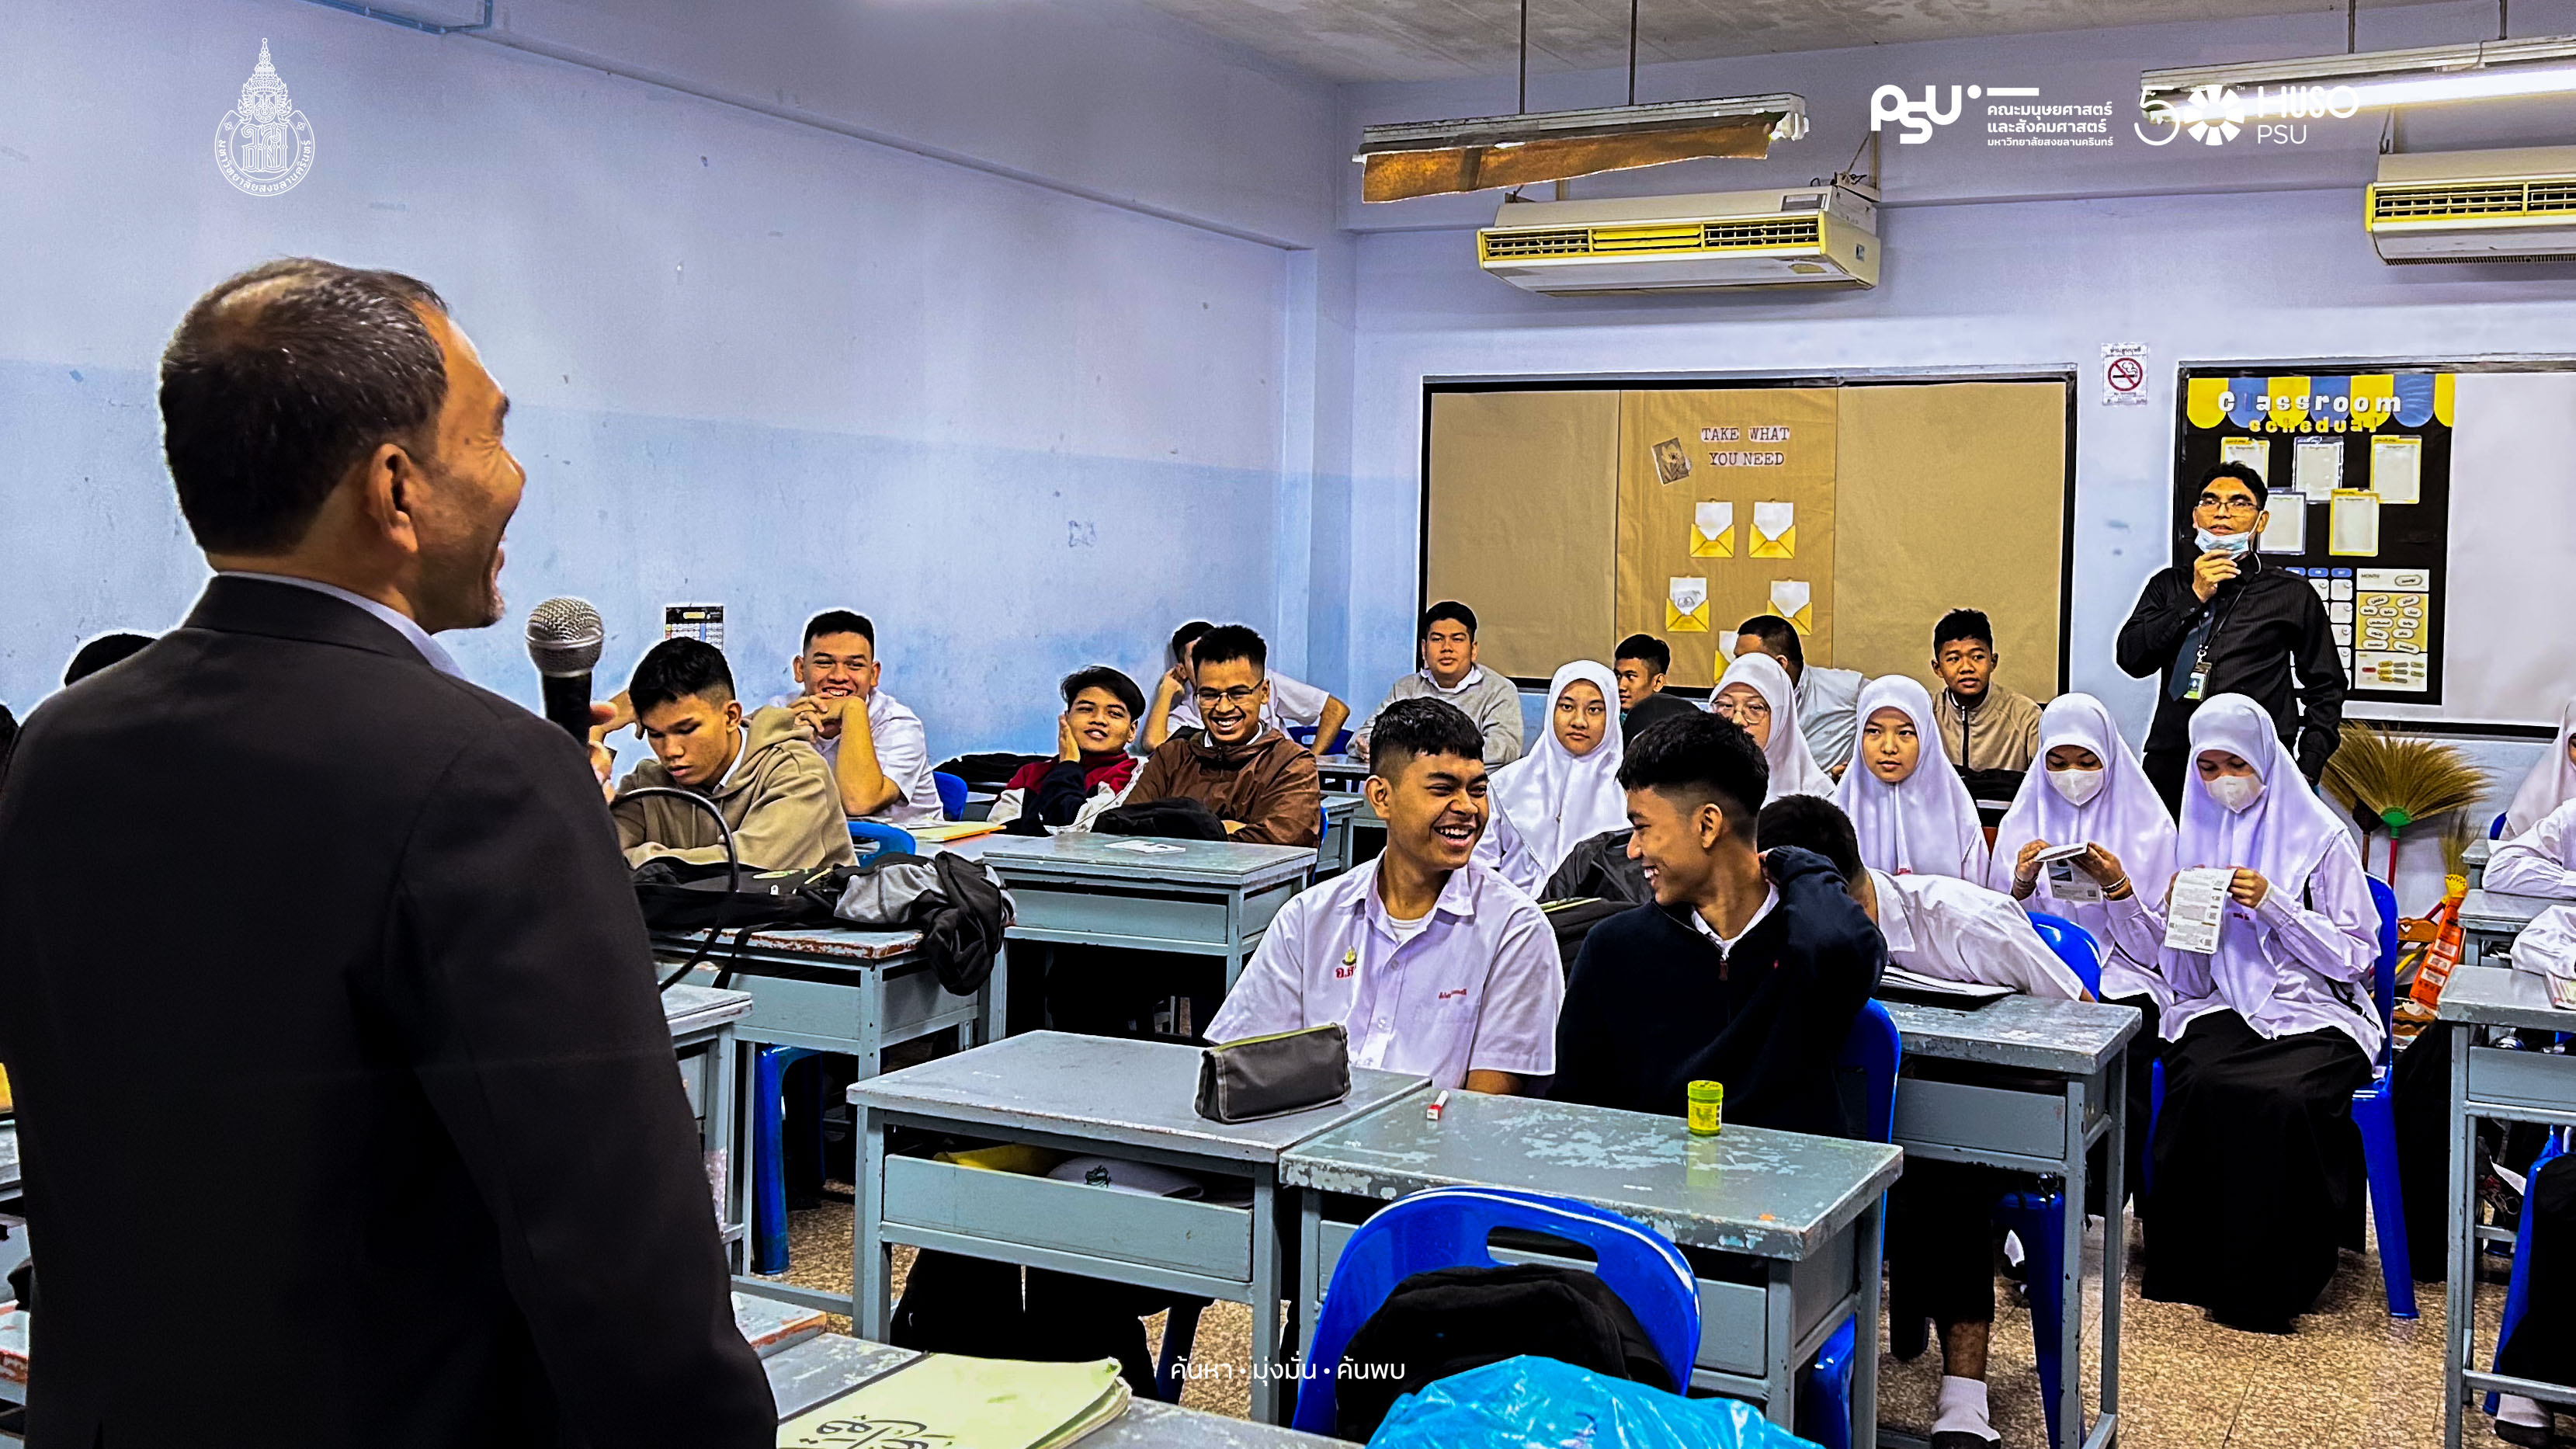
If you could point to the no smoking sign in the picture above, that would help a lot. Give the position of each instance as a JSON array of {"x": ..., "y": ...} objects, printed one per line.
[{"x": 2124, "y": 374}]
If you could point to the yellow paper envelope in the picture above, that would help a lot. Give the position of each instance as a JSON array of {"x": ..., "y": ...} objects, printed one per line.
[
  {"x": 1775, "y": 530},
  {"x": 1686, "y": 606},
  {"x": 1791, "y": 599},
  {"x": 1713, "y": 530}
]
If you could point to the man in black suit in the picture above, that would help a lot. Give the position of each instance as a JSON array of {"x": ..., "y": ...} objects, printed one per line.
[{"x": 348, "y": 1112}]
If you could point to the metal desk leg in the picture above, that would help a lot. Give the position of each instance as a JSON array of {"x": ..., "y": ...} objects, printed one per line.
[
  {"x": 1869, "y": 1253},
  {"x": 993, "y": 1005},
  {"x": 1310, "y": 1274},
  {"x": 1779, "y": 1303},
  {"x": 871, "y": 1271},
  {"x": 1233, "y": 940},
  {"x": 870, "y": 1033},
  {"x": 2070, "y": 1279},
  {"x": 2459, "y": 1322},
  {"x": 1265, "y": 1298},
  {"x": 723, "y": 1057},
  {"x": 2115, "y": 1234}
]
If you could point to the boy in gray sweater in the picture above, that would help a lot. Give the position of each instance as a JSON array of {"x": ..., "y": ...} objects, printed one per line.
[{"x": 1449, "y": 671}]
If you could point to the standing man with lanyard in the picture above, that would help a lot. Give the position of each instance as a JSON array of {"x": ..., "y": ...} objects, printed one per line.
[{"x": 2228, "y": 623}]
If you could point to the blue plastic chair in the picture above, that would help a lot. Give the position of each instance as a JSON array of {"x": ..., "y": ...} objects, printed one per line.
[
  {"x": 952, "y": 794},
  {"x": 1876, "y": 1050},
  {"x": 871, "y": 837},
  {"x": 2074, "y": 945},
  {"x": 2496, "y": 830},
  {"x": 2517, "y": 1293},
  {"x": 2374, "y": 1112},
  {"x": 768, "y": 1153},
  {"x": 1305, "y": 735},
  {"x": 1447, "y": 1227}
]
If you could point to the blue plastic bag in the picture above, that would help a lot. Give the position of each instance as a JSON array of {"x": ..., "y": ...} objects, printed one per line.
[{"x": 1539, "y": 1403}]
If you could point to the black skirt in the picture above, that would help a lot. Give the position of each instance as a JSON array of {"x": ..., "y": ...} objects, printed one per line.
[{"x": 2257, "y": 1166}]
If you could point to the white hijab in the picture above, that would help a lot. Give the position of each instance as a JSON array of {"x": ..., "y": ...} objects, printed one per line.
[
  {"x": 2283, "y": 836},
  {"x": 1794, "y": 770},
  {"x": 2125, "y": 817},
  {"x": 1924, "y": 824},
  {"x": 1555, "y": 800},
  {"x": 2550, "y": 784}
]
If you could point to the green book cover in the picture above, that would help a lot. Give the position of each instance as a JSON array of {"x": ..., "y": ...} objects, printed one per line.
[{"x": 949, "y": 1401}]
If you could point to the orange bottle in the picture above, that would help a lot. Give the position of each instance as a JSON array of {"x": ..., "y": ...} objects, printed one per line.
[{"x": 2447, "y": 945}]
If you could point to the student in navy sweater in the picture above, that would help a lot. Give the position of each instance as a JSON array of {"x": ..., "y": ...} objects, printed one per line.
[{"x": 1746, "y": 970}]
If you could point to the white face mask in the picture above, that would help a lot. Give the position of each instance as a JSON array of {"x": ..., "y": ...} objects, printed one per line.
[
  {"x": 2077, "y": 786},
  {"x": 2236, "y": 792},
  {"x": 2235, "y": 543}
]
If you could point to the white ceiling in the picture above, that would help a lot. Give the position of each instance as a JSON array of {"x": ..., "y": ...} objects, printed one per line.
[{"x": 1381, "y": 40}]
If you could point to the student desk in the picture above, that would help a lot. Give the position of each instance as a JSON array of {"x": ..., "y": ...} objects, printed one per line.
[
  {"x": 1086, "y": 1095},
  {"x": 837, "y": 989},
  {"x": 702, "y": 1022},
  {"x": 2031, "y": 1083},
  {"x": 2516, "y": 1086},
  {"x": 1796, "y": 1217},
  {"x": 2473, "y": 862},
  {"x": 820, "y": 1368},
  {"x": 2491, "y": 919},
  {"x": 1341, "y": 772},
  {"x": 1335, "y": 855},
  {"x": 1197, "y": 897}
]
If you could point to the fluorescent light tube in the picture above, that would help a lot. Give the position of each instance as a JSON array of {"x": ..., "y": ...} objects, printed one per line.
[
  {"x": 2342, "y": 84},
  {"x": 1431, "y": 158}
]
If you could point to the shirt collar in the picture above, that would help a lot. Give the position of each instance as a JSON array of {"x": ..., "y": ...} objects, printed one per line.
[
  {"x": 1457, "y": 897},
  {"x": 1770, "y": 898},
  {"x": 401, "y": 623},
  {"x": 1895, "y": 925},
  {"x": 1475, "y": 676}
]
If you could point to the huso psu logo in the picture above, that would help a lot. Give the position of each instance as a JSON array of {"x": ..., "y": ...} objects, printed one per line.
[
  {"x": 264, "y": 145},
  {"x": 2214, "y": 115}
]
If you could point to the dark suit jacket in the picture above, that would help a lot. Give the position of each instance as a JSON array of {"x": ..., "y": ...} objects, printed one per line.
[{"x": 348, "y": 1112}]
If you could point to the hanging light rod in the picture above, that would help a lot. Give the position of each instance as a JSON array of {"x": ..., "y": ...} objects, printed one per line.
[
  {"x": 1430, "y": 158},
  {"x": 2342, "y": 84}
]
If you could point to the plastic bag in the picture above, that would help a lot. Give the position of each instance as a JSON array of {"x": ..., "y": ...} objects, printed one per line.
[{"x": 1538, "y": 1403}]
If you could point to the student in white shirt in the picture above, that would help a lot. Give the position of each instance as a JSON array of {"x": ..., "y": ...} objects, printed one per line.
[
  {"x": 1292, "y": 703},
  {"x": 2539, "y": 862},
  {"x": 2268, "y": 1037},
  {"x": 1912, "y": 820},
  {"x": 1449, "y": 671},
  {"x": 1940, "y": 1220},
  {"x": 1564, "y": 792},
  {"x": 1434, "y": 963},
  {"x": 879, "y": 755}
]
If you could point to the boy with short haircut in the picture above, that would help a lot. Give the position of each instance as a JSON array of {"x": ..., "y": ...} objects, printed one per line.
[
  {"x": 876, "y": 748},
  {"x": 1746, "y": 970},
  {"x": 1434, "y": 963},
  {"x": 1449, "y": 671},
  {"x": 1290, "y": 704},
  {"x": 774, "y": 791},
  {"x": 1237, "y": 763},
  {"x": 1828, "y": 699},
  {"x": 1091, "y": 769},
  {"x": 1640, "y": 664},
  {"x": 1983, "y": 726}
]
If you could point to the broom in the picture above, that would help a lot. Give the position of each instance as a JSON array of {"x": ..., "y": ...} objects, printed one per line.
[{"x": 2392, "y": 779}]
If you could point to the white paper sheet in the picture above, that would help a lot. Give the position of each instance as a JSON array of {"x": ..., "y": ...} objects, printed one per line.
[
  {"x": 2397, "y": 469},
  {"x": 2288, "y": 531},
  {"x": 2197, "y": 907},
  {"x": 2317, "y": 464},
  {"x": 1687, "y": 594},
  {"x": 2352, "y": 524},
  {"x": 1789, "y": 600},
  {"x": 2254, "y": 453}
]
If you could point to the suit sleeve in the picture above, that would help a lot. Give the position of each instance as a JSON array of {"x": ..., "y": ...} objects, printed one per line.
[
  {"x": 2165, "y": 613},
  {"x": 520, "y": 986},
  {"x": 1292, "y": 809},
  {"x": 2321, "y": 689}
]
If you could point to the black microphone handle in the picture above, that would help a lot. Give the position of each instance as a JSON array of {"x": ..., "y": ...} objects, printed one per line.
[{"x": 568, "y": 703}]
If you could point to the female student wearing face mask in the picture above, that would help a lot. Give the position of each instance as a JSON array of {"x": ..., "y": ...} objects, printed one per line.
[
  {"x": 2267, "y": 1037},
  {"x": 1755, "y": 692},
  {"x": 1565, "y": 791},
  {"x": 1911, "y": 820},
  {"x": 2089, "y": 791}
]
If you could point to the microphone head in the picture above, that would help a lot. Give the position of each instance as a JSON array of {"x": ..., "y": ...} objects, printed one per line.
[{"x": 564, "y": 636}]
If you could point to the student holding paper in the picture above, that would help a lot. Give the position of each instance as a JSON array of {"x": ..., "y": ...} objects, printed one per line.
[
  {"x": 2268, "y": 1036},
  {"x": 1565, "y": 791},
  {"x": 2552, "y": 781},
  {"x": 1911, "y": 820},
  {"x": 1449, "y": 671},
  {"x": 1756, "y": 694}
]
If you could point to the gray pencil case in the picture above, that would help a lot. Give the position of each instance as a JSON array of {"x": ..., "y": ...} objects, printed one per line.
[{"x": 1271, "y": 1076}]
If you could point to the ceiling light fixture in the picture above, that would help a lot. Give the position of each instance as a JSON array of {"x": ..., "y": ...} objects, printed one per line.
[{"x": 2339, "y": 85}]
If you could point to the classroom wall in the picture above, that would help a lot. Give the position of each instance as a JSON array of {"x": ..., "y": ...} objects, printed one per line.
[
  {"x": 1995, "y": 260},
  {"x": 1006, "y": 329}
]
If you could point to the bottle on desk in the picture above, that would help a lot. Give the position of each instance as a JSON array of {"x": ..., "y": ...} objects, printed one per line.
[
  {"x": 1707, "y": 1108},
  {"x": 2449, "y": 940}
]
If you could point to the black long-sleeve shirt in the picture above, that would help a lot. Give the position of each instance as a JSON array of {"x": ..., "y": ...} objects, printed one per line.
[
  {"x": 2270, "y": 624},
  {"x": 1654, "y": 1006}
]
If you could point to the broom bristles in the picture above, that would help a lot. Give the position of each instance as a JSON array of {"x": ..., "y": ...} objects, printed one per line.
[{"x": 2382, "y": 770}]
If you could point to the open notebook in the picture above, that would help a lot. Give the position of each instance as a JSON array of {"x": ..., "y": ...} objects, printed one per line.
[
  {"x": 969, "y": 1403},
  {"x": 1899, "y": 984}
]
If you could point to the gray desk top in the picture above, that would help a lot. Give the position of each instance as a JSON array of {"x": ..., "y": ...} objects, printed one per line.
[
  {"x": 1112, "y": 1092},
  {"x": 1340, "y": 767},
  {"x": 2486, "y": 910},
  {"x": 815, "y": 1370},
  {"x": 1746, "y": 1190},
  {"x": 1341, "y": 802},
  {"x": 2494, "y": 996},
  {"x": 8, "y": 1157},
  {"x": 1120, "y": 858},
  {"x": 702, "y": 1008},
  {"x": 831, "y": 943},
  {"x": 2477, "y": 852},
  {"x": 2028, "y": 1033}
]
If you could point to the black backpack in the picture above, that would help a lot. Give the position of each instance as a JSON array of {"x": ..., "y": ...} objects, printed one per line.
[{"x": 1450, "y": 1320}]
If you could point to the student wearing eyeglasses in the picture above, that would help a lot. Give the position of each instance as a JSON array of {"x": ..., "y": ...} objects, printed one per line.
[
  {"x": 1258, "y": 781},
  {"x": 2229, "y": 623}
]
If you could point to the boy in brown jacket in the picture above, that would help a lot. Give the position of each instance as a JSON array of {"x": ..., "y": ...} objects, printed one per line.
[
  {"x": 1262, "y": 784},
  {"x": 763, "y": 774}
]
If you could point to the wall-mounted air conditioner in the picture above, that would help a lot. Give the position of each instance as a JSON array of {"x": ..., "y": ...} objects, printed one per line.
[{"x": 1803, "y": 236}]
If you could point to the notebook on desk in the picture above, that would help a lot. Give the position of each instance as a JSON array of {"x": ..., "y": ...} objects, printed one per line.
[
  {"x": 968, "y": 1403},
  {"x": 1899, "y": 984}
]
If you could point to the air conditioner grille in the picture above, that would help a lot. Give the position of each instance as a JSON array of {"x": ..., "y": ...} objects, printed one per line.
[
  {"x": 1572, "y": 241},
  {"x": 2480, "y": 200},
  {"x": 1778, "y": 231},
  {"x": 1663, "y": 238}
]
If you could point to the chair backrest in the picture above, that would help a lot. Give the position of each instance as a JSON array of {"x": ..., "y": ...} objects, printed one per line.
[
  {"x": 1305, "y": 735},
  {"x": 1447, "y": 1227},
  {"x": 2495, "y": 831},
  {"x": 2074, "y": 945},
  {"x": 1876, "y": 1050},
  {"x": 873, "y": 836},
  {"x": 952, "y": 794},
  {"x": 2383, "y": 980}
]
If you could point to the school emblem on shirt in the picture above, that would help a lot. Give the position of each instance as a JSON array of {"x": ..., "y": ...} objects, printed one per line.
[{"x": 265, "y": 145}]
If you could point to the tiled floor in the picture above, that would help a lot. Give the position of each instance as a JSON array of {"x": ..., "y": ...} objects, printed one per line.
[{"x": 2351, "y": 1378}]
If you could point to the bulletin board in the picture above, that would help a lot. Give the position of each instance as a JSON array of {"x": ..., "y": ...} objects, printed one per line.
[{"x": 1570, "y": 515}]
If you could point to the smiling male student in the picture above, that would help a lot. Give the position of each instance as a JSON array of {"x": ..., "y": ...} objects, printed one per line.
[
  {"x": 1434, "y": 963},
  {"x": 879, "y": 754},
  {"x": 1290, "y": 703},
  {"x": 1252, "y": 777},
  {"x": 1449, "y": 671}
]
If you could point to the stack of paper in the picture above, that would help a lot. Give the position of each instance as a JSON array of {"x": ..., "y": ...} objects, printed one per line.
[
  {"x": 951, "y": 830},
  {"x": 1898, "y": 984},
  {"x": 968, "y": 1403}
]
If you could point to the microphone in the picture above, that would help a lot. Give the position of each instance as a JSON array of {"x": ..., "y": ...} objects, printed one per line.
[{"x": 564, "y": 638}]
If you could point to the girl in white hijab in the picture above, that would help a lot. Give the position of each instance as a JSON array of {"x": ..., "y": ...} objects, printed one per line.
[
  {"x": 1911, "y": 811},
  {"x": 1755, "y": 692},
  {"x": 1567, "y": 790},
  {"x": 2268, "y": 1036},
  {"x": 2090, "y": 792},
  {"x": 2551, "y": 783}
]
